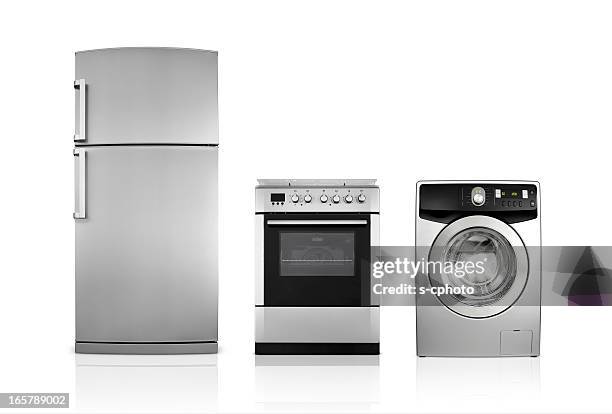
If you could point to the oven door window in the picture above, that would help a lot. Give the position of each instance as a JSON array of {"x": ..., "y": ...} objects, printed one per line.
[
  {"x": 317, "y": 254},
  {"x": 317, "y": 260}
]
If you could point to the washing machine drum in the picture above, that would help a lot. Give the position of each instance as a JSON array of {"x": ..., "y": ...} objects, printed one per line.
[{"x": 481, "y": 265}]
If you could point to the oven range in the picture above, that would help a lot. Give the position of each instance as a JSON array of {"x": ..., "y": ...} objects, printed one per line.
[{"x": 312, "y": 271}]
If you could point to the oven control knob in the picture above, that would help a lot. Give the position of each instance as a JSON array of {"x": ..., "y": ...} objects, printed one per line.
[
  {"x": 295, "y": 198},
  {"x": 336, "y": 199},
  {"x": 324, "y": 198},
  {"x": 348, "y": 198},
  {"x": 361, "y": 198},
  {"x": 308, "y": 198}
]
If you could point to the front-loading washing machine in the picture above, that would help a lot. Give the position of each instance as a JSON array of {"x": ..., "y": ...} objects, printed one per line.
[{"x": 479, "y": 284}]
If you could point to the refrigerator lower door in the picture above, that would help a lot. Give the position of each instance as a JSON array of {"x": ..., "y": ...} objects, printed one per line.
[{"x": 146, "y": 250}]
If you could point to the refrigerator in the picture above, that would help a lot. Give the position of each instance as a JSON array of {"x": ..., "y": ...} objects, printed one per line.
[{"x": 146, "y": 201}]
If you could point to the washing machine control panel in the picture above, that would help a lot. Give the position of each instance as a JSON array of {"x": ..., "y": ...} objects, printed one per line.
[
  {"x": 446, "y": 201},
  {"x": 498, "y": 197}
]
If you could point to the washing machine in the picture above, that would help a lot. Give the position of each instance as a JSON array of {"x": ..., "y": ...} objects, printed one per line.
[{"x": 479, "y": 284}]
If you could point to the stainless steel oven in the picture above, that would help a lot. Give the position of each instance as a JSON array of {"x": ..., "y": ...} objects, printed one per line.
[{"x": 313, "y": 251}]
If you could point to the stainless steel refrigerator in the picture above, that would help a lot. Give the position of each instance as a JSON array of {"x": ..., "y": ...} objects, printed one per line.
[{"x": 146, "y": 191}]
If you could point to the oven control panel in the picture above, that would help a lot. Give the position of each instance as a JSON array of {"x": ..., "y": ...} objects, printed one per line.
[{"x": 314, "y": 199}]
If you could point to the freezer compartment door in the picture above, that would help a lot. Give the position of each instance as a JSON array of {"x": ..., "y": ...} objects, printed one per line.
[
  {"x": 146, "y": 250},
  {"x": 146, "y": 95}
]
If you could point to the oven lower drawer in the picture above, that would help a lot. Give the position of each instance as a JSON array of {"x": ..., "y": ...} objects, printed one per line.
[{"x": 328, "y": 325}]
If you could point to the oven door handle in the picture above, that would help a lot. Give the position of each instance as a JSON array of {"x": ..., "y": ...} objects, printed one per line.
[{"x": 317, "y": 222}]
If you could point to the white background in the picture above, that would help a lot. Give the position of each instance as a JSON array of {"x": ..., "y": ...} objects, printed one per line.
[{"x": 397, "y": 91}]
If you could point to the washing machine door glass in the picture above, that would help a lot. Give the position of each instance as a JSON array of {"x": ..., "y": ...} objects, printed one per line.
[{"x": 481, "y": 266}]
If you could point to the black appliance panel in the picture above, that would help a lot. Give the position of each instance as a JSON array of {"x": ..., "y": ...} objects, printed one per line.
[{"x": 445, "y": 203}]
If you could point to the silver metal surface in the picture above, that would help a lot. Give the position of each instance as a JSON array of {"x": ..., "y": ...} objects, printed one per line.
[
  {"x": 264, "y": 204},
  {"x": 442, "y": 332},
  {"x": 81, "y": 133},
  {"x": 149, "y": 96},
  {"x": 279, "y": 183},
  {"x": 146, "y": 349},
  {"x": 515, "y": 343},
  {"x": 80, "y": 193},
  {"x": 314, "y": 324},
  {"x": 375, "y": 251},
  {"x": 316, "y": 222},
  {"x": 374, "y": 230},
  {"x": 146, "y": 255},
  {"x": 317, "y": 324},
  {"x": 438, "y": 335}
]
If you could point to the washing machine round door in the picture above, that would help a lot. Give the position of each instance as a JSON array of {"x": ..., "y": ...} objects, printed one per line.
[{"x": 480, "y": 264}]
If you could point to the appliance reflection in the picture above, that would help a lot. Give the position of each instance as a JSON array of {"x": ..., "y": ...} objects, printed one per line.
[
  {"x": 316, "y": 382},
  {"x": 151, "y": 383},
  {"x": 470, "y": 383}
]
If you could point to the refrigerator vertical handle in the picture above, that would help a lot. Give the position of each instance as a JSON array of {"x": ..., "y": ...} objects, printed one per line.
[
  {"x": 79, "y": 183},
  {"x": 80, "y": 86}
]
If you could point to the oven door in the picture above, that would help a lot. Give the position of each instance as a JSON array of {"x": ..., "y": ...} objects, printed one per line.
[{"x": 317, "y": 260}]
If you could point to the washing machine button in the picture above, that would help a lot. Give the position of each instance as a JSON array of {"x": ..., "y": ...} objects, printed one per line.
[{"x": 478, "y": 199}]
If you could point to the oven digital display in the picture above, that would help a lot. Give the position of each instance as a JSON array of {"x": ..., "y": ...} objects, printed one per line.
[{"x": 277, "y": 197}]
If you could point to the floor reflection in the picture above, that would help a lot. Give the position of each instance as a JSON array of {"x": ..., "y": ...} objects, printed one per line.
[
  {"x": 477, "y": 383},
  {"x": 151, "y": 383},
  {"x": 317, "y": 383}
]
